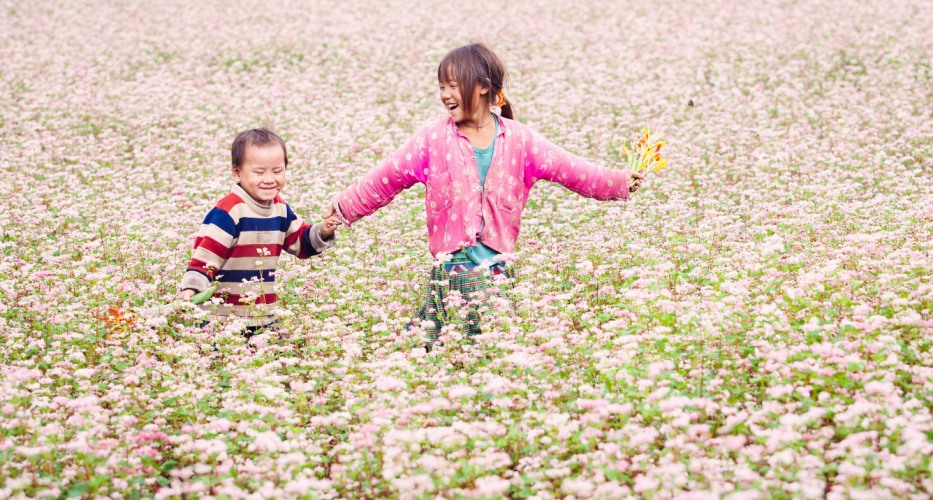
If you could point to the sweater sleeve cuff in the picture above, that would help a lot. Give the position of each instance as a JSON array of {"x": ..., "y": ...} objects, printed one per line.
[
  {"x": 193, "y": 280},
  {"x": 318, "y": 243}
]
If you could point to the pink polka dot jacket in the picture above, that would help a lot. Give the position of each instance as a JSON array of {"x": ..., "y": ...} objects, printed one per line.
[{"x": 460, "y": 211}]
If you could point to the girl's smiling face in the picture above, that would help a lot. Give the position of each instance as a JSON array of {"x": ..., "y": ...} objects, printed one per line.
[
  {"x": 468, "y": 78},
  {"x": 262, "y": 174},
  {"x": 452, "y": 99}
]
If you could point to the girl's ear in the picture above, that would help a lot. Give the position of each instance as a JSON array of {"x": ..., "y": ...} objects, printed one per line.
[
  {"x": 483, "y": 86},
  {"x": 235, "y": 172}
]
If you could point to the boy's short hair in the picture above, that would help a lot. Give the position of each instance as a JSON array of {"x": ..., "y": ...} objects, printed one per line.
[{"x": 254, "y": 137}]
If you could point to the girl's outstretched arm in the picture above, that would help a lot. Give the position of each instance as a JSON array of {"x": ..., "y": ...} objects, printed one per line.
[
  {"x": 550, "y": 162},
  {"x": 394, "y": 174}
]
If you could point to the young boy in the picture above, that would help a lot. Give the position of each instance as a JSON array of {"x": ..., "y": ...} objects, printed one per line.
[{"x": 241, "y": 238}]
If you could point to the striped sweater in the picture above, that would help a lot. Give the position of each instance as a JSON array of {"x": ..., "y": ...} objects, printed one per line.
[{"x": 239, "y": 245}]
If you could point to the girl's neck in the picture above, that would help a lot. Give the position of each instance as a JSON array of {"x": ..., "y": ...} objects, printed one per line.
[
  {"x": 480, "y": 130},
  {"x": 481, "y": 120}
]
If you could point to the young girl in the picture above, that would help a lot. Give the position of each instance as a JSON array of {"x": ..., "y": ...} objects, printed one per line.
[{"x": 477, "y": 168}]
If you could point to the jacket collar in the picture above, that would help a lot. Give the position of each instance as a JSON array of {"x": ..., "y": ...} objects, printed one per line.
[{"x": 456, "y": 130}]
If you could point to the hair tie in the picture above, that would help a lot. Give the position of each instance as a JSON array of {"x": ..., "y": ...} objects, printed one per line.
[{"x": 502, "y": 102}]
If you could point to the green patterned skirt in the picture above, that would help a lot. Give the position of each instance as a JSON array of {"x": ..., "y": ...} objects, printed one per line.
[{"x": 461, "y": 281}]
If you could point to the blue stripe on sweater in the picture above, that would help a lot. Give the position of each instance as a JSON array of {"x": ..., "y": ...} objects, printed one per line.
[
  {"x": 222, "y": 220},
  {"x": 306, "y": 243},
  {"x": 289, "y": 213},
  {"x": 231, "y": 276},
  {"x": 278, "y": 223}
]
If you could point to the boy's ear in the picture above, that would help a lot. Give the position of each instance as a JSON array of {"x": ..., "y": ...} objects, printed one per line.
[{"x": 235, "y": 171}]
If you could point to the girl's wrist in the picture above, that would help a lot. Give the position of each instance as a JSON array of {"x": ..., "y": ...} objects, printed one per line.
[{"x": 336, "y": 206}]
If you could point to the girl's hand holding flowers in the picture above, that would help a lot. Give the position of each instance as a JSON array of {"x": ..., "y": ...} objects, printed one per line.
[
  {"x": 635, "y": 183},
  {"x": 644, "y": 155}
]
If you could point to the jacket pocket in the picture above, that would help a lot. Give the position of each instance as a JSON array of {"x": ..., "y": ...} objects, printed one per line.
[
  {"x": 438, "y": 193},
  {"x": 509, "y": 196}
]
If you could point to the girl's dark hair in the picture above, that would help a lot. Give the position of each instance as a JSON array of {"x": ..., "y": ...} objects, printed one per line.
[
  {"x": 471, "y": 65},
  {"x": 254, "y": 137}
]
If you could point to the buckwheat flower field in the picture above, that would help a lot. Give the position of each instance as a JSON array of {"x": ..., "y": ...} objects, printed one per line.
[{"x": 755, "y": 322}]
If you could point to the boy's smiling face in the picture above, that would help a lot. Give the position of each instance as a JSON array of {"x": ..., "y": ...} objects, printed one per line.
[{"x": 262, "y": 174}]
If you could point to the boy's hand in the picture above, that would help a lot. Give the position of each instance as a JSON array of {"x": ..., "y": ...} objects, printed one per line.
[
  {"x": 186, "y": 294},
  {"x": 635, "y": 182},
  {"x": 330, "y": 225}
]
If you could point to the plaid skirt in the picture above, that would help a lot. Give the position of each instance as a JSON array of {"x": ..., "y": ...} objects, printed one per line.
[{"x": 473, "y": 284}]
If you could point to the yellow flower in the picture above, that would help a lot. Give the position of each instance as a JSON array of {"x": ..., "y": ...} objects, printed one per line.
[{"x": 645, "y": 153}]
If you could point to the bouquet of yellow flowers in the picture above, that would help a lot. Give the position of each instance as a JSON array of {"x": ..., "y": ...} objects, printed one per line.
[{"x": 645, "y": 154}]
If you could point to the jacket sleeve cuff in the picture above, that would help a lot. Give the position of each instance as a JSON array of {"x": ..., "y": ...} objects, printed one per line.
[
  {"x": 343, "y": 220},
  {"x": 626, "y": 183},
  {"x": 318, "y": 243},
  {"x": 193, "y": 280}
]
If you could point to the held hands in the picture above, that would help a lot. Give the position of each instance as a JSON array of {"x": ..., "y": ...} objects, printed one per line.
[
  {"x": 331, "y": 223},
  {"x": 635, "y": 181},
  {"x": 186, "y": 294}
]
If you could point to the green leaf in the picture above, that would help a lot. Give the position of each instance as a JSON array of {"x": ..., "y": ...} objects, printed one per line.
[
  {"x": 168, "y": 466},
  {"x": 78, "y": 490},
  {"x": 203, "y": 296}
]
